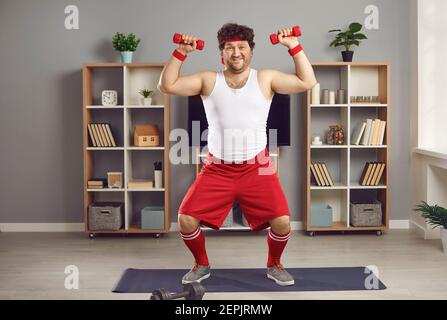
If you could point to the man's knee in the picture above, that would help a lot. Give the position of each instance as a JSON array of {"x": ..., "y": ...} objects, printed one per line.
[
  {"x": 280, "y": 225},
  {"x": 187, "y": 223}
]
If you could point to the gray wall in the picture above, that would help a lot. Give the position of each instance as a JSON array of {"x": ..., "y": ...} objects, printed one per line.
[{"x": 41, "y": 85}]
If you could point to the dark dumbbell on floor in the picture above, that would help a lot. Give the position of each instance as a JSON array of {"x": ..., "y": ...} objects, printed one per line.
[
  {"x": 296, "y": 32},
  {"x": 191, "y": 291},
  {"x": 200, "y": 44}
]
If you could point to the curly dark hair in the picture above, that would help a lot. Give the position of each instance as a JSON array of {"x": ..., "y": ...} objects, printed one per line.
[{"x": 230, "y": 30}]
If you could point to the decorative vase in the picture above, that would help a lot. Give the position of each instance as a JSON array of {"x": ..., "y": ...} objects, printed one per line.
[
  {"x": 126, "y": 56},
  {"x": 158, "y": 179},
  {"x": 444, "y": 239},
  {"x": 347, "y": 55},
  {"x": 147, "y": 101}
]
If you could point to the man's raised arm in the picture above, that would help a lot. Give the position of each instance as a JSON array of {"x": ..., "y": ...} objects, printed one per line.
[{"x": 170, "y": 80}]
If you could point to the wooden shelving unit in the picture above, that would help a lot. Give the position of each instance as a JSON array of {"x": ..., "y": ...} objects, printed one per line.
[
  {"x": 133, "y": 162},
  {"x": 346, "y": 162}
]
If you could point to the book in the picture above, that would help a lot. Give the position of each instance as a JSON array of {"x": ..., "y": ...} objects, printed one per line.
[
  {"x": 320, "y": 174},
  {"x": 314, "y": 174},
  {"x": 375, "y": 174},
  {"x": 97, "y": 135},
  {"x": 371, "y": 174},
  {"x": 109, "y": 130},
  {"x": 365, "y": 138},
  {"x": 365, "y": 174},
  {"x": 357, "y": 134},
  {"x": 103, "y": 137},
  {"x": 323, "y": 174},
  {"x": 382, "y": 133},
  {"x": 97, "y": 182},
  {"x": 319, "y": 177},
  {"x": 373, "y": 131},
  {"x": 106, "y": 134},
  {"x": 92, "y": 138},
  {"x": 379, "y": 176},
  {"x": 140, "y": 183},
  {"x": 328, "y": 175}
]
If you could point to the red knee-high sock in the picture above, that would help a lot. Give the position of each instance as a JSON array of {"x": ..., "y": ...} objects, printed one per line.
[
  {"x": 195, "y": 241},
  {"x": 276, "y": 244}
]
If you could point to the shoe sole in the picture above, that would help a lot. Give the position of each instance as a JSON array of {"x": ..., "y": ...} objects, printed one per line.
[
  {"x": 198, "y": 280},
  {"x": 281, "y": 283}
]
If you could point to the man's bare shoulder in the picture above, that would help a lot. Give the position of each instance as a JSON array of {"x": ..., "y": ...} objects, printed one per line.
[
  {"x": 266, "y": 73},
  {"x": 208, "y": 75}
]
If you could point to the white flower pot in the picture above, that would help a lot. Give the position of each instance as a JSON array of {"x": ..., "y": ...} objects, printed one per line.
[
  {"x": 444, "y": 239},
  {"x": 147, "y": 101}
]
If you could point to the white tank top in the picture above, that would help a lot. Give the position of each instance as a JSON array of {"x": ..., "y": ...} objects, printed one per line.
[{"x": 237, "y": 119}]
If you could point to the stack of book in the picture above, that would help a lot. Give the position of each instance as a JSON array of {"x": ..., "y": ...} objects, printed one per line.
[
  {"x": 372, "y": 173},
  {"x": 321, "y": 174},
  {"x": 101, "y": 135},
  {"x": 369, "y": 132},
  {"x": 96, "y": 183},
  {"x": 139, "y": 183}
]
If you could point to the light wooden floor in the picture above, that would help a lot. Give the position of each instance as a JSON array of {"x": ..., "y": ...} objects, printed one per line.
[{"x": 32, "y": 264}]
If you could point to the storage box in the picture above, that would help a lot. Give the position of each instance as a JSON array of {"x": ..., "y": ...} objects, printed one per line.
[
  {"x": 321, "y": 215},
  {"x": 146, "y": 135},
  {"x": 105, "y": 215},
  {"x": 153, "y": 218},
  {"x": 366, "y": 214}
]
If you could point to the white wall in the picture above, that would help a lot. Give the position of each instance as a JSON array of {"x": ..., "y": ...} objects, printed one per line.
[
  {"x": 428, "y": 108},
  {"x": 432, "y": 64}
]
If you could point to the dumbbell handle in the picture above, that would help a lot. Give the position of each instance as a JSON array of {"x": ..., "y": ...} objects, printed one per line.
[
  {"x": 178, "y": 295},
  {"x": 296, "y": 32},
  {"x": 178, "y": 39}
]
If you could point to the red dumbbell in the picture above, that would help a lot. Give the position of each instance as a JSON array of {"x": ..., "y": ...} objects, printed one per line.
[
  {"x": 296, "y": 32},
  {"x": 178, "y": 39}
]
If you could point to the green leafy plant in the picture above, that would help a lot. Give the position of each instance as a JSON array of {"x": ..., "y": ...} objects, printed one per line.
[
  {"x": 146, "y": 93},
  {"x": 349, "y": 37},
  {"x": 436, "y": 215},
  {"x": 125, "y": 43}
]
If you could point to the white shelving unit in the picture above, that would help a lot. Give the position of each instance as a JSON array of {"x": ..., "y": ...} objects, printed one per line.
[
  {"x": 134, "y": 162},
  {"x": 345, "y": 162}
]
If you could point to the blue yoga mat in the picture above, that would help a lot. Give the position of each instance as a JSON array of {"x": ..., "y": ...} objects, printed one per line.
[{"x": 251, "y": 280}]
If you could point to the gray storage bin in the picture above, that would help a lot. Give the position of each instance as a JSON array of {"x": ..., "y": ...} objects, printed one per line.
[
  {"x": 228, "y": 222},
  {"x": 153, "y": 218},
  {"x": 366, "y": 214},
  {"x": 105, "y": 215},
  {"x": 321, "y": 215}
]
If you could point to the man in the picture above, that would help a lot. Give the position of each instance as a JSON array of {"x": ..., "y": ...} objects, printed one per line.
[{"x": 236, "y": 100}]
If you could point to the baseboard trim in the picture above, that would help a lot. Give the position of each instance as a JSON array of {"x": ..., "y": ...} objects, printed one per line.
[
  {"x": 79, "y": 227},
  {"x": 427, "y": 234},
  {"x": 42, "y": 227}
]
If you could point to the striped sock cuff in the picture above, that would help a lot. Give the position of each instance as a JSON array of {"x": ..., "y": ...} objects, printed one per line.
[
  {"x": 277, "y": 237},
  {"x": 192, "y": 235}
]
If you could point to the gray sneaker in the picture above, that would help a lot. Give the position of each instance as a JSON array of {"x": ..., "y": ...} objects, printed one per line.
[
  {"x": 197, "y": 274},
  {"x": 280, "y": 275}
]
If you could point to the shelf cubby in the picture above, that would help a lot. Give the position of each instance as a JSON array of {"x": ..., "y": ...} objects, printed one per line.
[
  {"x": 336, "y": 162},
  {"x": 338, "y": 200},
  {"x": 136, "y": 116},
  {"x": 359, "y": 158}
]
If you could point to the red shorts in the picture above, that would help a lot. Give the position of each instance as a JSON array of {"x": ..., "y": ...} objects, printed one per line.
[{"x": 252, "y": 183}]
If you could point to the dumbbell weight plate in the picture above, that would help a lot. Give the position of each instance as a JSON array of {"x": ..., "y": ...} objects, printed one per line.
[
  {"x": 161, "y": 294},
  {"x": 195, "y": 289}
]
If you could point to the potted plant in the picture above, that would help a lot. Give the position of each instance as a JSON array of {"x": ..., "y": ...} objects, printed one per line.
[
  {"x": 436, "y": 216},
  {"x": 347, "y": 39},
  {"x": 126, "y": 45},
  {"x": 147, "y": 96}
]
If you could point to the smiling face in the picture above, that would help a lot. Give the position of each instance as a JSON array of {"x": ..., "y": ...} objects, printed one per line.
[{"x": 237, "y": 56}]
